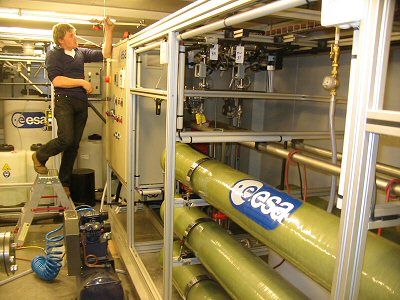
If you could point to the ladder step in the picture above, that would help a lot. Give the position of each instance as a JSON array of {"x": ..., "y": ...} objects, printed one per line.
[{"x": 32, "y": 205}]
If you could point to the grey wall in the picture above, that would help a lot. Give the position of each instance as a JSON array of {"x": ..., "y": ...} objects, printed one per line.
[{"x": 303, "y": 75}]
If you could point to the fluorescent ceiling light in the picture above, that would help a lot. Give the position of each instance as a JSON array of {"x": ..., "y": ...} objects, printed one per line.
[
  {"x": 26, "y": 33},
  {"x": 46, "y": 16}
]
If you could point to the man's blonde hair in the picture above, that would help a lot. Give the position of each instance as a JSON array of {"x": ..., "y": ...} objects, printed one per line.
[{"x": 60, "y": 30}]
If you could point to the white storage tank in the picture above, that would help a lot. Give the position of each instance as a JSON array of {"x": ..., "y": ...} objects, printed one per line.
[
  {"x": 90, "y": 156},
  {"x": 13, "y": 170},
  {"x": 24, "y": 123}
]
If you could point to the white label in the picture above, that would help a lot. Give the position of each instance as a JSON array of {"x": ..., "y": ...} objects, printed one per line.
[
  {"x": 85, "y": 156},
  {"x": 214, "y": 52},
  {"x": 239, "y": 55},
  {"x": 339, "y": 203}
]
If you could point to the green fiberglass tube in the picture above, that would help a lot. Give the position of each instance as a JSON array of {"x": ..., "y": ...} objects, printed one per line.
[
  {"x": 241, "y": 273},
  {"x": 193, "y": 282},
  {"x": 304, "y": 235}
]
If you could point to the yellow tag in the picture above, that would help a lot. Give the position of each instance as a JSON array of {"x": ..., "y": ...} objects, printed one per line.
[
  {"x": 200, "y": 118},
  {"x": 6, "y": 167}
]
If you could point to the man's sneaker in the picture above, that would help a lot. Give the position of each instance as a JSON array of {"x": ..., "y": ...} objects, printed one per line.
[{"x": 38, "y": 166}]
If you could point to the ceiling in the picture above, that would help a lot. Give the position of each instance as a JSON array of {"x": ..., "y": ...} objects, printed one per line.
[
  {"x": 132, "y": 12},
  {"x": 123, "y": 11}
]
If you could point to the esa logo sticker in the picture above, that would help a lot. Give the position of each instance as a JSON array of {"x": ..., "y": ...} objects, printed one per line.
[
  {"x": 28, "y": 119},
  {"x": 262, "y": 203}
]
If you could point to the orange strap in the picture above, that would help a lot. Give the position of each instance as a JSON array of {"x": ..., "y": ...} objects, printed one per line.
[{"x": 290, "y": 160}]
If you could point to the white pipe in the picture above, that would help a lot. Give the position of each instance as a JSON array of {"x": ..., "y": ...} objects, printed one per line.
[
  {"x": 300, "y": 13},
  {"x": 88, "y": 41},
  {"x": 103, "y": 196},
  {"x": 148, "y": 47},
  {"x": 26, "y": 78},
  {"x": 332, "y": 195},
  {"x": 154, "y": 96},
  {"x": 15, "y": 277},
  {"x": 232, "y": 139},
  {"x": 168, "y": 24},
  {"x": 332, "y": 107},
  {"x": 260, "y": 96},
  {"x": 270, "y": 86},
  {"x": 169, "y": 17},
  {"x": 149, "y": 91},
  {"x": 243, "y": 17},
  {"x": 210, "y": 132},
  {"x": 181, "y": 88},
  {"x": 146, "y": 192},
  {"x": 21, "y": 58},
  {"x": 191, "y": 18},
  {"x": 241, "y": 138}
]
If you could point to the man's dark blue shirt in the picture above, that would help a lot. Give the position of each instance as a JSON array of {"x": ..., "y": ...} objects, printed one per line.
[{"x": 60, "y": 64}]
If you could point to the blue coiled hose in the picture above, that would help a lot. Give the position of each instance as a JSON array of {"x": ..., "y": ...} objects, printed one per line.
[{"x": 47, "y": 267}]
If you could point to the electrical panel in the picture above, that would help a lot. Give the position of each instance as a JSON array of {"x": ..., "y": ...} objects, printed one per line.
[
  {"x": 93, "y": 75},
  {"x": 117, "y": 108}
]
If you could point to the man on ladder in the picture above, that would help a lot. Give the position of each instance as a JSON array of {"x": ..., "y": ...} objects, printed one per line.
[{"x": 65, "y": 69}]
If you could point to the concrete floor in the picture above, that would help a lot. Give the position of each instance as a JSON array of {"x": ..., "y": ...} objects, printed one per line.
[{"x": 63, "y": 287}]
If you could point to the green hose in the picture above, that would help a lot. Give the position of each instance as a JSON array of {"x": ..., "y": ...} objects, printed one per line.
[{"x": 307, "y": 237}]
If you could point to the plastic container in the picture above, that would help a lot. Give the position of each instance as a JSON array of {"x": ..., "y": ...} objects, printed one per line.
[
  {"x": 82, "y": 187},
  {"x": 12, "y": 170},
  {"x": 90, "y": 156},
  {"x": 24, "y": 123}
]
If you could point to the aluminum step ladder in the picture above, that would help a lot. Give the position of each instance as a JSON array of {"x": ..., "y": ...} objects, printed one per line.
[{"x": 61, "y": 203}]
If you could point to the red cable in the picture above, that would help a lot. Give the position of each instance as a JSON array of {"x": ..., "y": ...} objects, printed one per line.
[
  {"x": 305, "y": 184},
  {"x": 289, "y": 160},
  {"x": 388, "y": 189}
]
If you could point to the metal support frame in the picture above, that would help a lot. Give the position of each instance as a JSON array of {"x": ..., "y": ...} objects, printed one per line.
[
  {"x": 180, "y": 202},
  {"x": 172, "y": 88},
  {"x": 124, "y": 234},
  {"x": 140, "y": 273},
  {"x": 366, "y": 91},
  {"x": 357, "y": 161},
  {"x": 136, "y": 269},
  {"x": 129, "y": 248}
]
